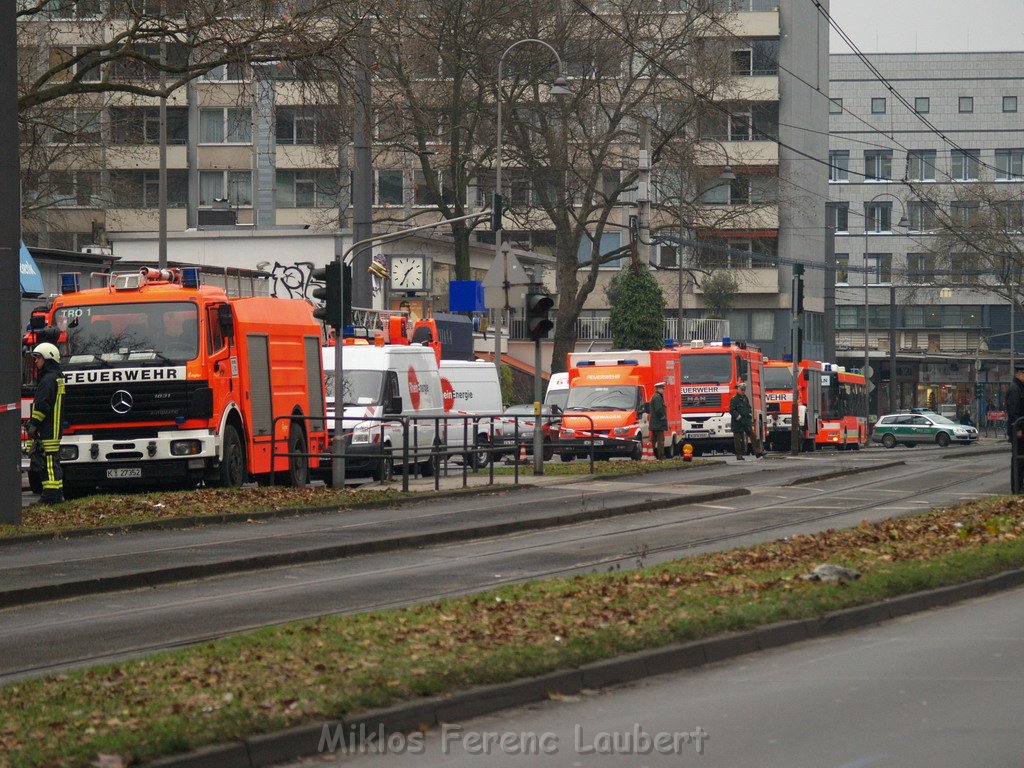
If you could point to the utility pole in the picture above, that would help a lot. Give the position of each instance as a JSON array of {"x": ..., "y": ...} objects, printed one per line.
[
  {"x": 643, "y": 195},
  {"x": 162, "y": 173},
  {"x": 795, "y": 435},
  {"x": 10, "y": 282},
  {"x": 362, "y": 180}
]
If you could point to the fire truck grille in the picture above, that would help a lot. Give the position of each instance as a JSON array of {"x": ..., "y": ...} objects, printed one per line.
[
  {"x": 138, "y": 401},
  {"x": 702, "y": 401}
]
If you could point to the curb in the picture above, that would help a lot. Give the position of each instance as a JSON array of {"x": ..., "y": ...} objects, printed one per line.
[
  {"x": 179, "y": 523},
  {"x": 843, "y": 473},
  {"x": 58, "y": 591},
  {"x": 307, "y": 740}
]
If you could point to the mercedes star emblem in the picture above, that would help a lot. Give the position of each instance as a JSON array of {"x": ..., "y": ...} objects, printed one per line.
[{"x": 121, "y": 401}]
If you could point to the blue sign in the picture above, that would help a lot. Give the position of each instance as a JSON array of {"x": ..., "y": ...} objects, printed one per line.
[
  {"x": 466, "y": 296},
  {"x": 31, "y": 277}
]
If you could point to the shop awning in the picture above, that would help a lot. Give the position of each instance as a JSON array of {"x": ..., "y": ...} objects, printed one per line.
[{"x": 31, "y": 277}]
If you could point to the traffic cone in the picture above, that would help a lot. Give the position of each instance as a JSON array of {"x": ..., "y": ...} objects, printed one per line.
[
  {"x": 648, "y": 453},
  {"x": 522, "y": 453}
]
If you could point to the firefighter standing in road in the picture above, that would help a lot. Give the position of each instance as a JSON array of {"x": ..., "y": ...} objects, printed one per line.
[
  {"x": 659, "y": 420},
  {"x": 743, "y": 423},
  {"x": 1014, "y": 411},
  {"x": 44, "y": 426}
]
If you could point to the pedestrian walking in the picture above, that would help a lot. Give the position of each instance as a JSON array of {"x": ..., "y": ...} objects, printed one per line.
[
  {"x": 743, "y": 424},
  {"x": 1014, "y": 411},
  {"x": 44, "y": 426},
  {"x": 659, "y": 420}
]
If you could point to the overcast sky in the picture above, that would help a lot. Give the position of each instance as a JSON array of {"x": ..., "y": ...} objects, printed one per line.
[{"x": 900, "y": 26}]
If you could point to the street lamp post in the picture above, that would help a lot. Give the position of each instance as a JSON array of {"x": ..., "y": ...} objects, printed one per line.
[
  {"x": 903, "y": 222},
  {"x": 559, "y": 87}
]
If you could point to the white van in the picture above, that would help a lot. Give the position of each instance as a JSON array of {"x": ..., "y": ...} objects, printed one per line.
[
  {"x": 471, "y": 391},
  {"x": 558, "y": 392},
  {"x": 393, "y": 379}
]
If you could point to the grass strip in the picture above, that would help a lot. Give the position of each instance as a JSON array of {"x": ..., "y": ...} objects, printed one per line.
[{"x": 339, "y": 666}]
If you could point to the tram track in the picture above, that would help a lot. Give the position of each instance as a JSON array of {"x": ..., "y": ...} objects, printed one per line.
[{"x": 486, "y": 554}]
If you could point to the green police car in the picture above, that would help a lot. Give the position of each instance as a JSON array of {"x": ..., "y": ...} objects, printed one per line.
[{"x": 912, "y": 429}]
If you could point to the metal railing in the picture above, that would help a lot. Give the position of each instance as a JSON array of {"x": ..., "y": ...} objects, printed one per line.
[
  {"x": 599, "y": 329},
  {"x": 376, "y": 453}
]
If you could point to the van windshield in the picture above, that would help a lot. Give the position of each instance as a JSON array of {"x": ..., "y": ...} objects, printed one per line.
[
  {"x": 557, "y": 397},
  {"x": 584, "y": 398},
  {"x": 706, "y": 368},
  {"x": 360, "y": 387}
]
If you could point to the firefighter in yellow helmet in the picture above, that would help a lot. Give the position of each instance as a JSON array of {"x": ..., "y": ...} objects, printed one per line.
[{"x": 45, "y": 424}]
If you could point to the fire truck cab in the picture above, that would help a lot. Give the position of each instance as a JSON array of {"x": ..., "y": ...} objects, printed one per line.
[
  {"x": 607, "y": 407},
  {"x": 778, "y": 387},
  {"x": 172, "y": 382},
  {"x": 709, "y": 374}
]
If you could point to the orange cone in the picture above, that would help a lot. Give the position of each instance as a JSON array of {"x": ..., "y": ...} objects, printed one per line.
[{"x": 648, "y": 453}]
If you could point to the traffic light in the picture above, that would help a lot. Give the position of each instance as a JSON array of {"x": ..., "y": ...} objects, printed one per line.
[
  {"x": 497, "y": 211},
  {"x": 798, "y": 277},
  {"x": 537, "y": 321},
  {"x": 336, "y": 294}
]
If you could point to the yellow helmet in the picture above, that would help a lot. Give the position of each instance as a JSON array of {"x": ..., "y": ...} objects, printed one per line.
[{"x": 47, "y": 351}]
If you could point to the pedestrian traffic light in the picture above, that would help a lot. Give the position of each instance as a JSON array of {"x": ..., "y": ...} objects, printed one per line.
[
  {"x": 336, "y": 289},
  {"x": 497, "y": 212},
  {"x": 537, "y": 321}
]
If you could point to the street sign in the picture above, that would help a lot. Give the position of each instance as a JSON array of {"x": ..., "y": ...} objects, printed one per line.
[
  {"x": 868, "y": 373},
  {"x": 494, "y": 280},
  {"x": 871, "y": 387}
]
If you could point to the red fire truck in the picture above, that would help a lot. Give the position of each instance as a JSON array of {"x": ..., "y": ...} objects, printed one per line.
[
  {"x": 778, "y": 387},
  {"x": 709, "y": 375},
  {"x": 172, "y": 382},
  {"x": 843, "y": 425}
]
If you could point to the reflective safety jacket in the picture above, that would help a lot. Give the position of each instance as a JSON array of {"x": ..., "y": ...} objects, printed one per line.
[{"x": 48, "y": 405}]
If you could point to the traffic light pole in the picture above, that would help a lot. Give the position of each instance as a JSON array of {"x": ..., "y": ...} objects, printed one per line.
[
  {"x": 539, "y": 416},
  {"x": 337, "y": 463}
]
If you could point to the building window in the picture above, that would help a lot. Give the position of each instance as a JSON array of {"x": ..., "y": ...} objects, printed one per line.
[
  {"x": 966, "y": 104},
  {"x": 610, "y": 242},
  {"x": 842, "y": 269},
  {"x": 878, "y": 106},
  {"x": 76, "y": 126},
  {"x": 878, "y": 217},
  {"x": 762, "y": 325},
  {"x": 962, "y": 268},
  {"x": 79, "y": 189},
  {"x": 73, "y": 9},
  {"x": 835, "y": 106},
  {"x": 761, "y": 58},
  {"x": 1009, "y": 103},
  {"x": 233, "y": 71},
  {"x": 922, "y": 105},
  {"x": 849, "y": 317},
  {"x": 878, "y": 164},
  {"x": 922, "y": 216},
  {"x": 839, "y": 165},
  {"x": 668, "y": 257},
  {"x": 921, "y": 165},
  {"x": 964, "y": 213},
  {"x": 1008, "y": 215},
  {"x": 225, "y": 126},
  {"x": 307, "y": 189},
  {"x": 304, "y": 126},
  {"x": 964, "y": 164},
  {"x": 141, "y": 125},
  {"x": 839, "y": 216},
  {"x": 1009, "y": 164},
  {"x": 920, "y": 268},
  {"x": 879, "y": 267},
  {"x": 389, "y": 188},
  {"x": 233, "y": 188},
  {"x": 141, "y": 189}
]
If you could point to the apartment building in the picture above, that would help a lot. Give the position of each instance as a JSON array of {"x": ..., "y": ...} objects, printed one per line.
[
  {"x": 248, "y": 148},
  {"x": 901, "y": 176}
]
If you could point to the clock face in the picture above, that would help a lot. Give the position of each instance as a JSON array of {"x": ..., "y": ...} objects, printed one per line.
[{"x": 408, "y": 273}]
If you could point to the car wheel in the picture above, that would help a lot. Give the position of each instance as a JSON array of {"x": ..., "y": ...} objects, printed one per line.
[
  {"x": 565, "y": 456},
  {"x": 549, "y": 451},
  {"x": 430, "y": 467},
  {"x": 637, "y": 453},
  {"x": 910, "y": 445},
  {"x": 384, "y": 471},
  {"x": 298, "y": 466},
  {"x": 889, "y": 441},
  {"x": 942, "y": 439},
  {"x": 482, "y": 453}
]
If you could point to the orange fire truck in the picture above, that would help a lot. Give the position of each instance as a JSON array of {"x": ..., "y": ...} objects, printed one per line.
[
  {"x": 778, "y": 395},
  {"x": 842, "y": 421},
  {"x": 606, "y": 410},
  {"x": 171, "y": 382},
  {"x": 709, "y": 374}
]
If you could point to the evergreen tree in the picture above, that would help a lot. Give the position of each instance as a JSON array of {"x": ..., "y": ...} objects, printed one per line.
[{"x": 637, "y": 310}]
